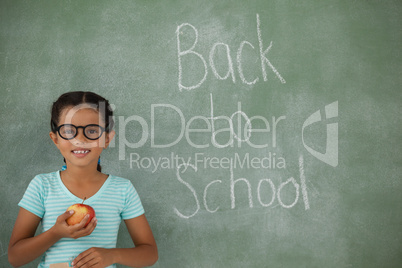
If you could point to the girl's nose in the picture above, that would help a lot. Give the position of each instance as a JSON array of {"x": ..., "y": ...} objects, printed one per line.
[{"x": 80, "y": 138}]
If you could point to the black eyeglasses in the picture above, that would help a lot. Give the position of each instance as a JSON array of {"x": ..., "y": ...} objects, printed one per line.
[{"x": 69, "y": 131}]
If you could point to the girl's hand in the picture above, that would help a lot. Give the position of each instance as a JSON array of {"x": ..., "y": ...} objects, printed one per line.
[
  {"x": 62, "y": 229},
  {"x": 94, "y": 257}
]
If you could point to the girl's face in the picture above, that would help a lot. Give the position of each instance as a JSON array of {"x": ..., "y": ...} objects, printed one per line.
[{"x": 81, "y": 151}]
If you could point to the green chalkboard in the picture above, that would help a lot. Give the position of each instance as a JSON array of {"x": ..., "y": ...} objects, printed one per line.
[{"x": 257, "y": 133}]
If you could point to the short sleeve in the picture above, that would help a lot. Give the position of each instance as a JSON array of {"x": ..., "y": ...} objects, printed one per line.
[
  {"x": 33, "y": 198},
  {"x": 132, "y": 204}
]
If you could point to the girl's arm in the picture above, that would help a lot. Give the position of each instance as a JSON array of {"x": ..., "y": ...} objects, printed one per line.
[
  {"x": 25, "y": 247},
  {"x": 145, "y": 252}
]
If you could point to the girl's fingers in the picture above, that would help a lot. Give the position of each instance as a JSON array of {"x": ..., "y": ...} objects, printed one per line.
[
  {"x": 84, "y": 220},
  {"x": 92, "y": 224},
  {"x": 84, "y": 231},
  {"x": 66, "y": 215},
  {"x": 81, "y": 259},
  {"x": 79, "y": 225},
  {"x": 87, "y": 258}
]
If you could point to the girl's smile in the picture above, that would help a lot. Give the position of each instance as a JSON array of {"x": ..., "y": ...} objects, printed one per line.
[{"x": 79, "y": 152}]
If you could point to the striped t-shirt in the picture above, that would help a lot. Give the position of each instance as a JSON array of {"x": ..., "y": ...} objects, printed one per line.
[{"x": 47, "y": 197}]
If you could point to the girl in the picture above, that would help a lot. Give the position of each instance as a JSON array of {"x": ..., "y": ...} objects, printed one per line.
[{"x": 81, "y": 128}]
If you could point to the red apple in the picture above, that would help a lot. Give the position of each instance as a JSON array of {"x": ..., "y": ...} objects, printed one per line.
[{"x": 80, "y": 211}]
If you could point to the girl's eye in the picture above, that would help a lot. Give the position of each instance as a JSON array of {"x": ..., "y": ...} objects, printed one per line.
[
  {"x": 93, "y": 131},
  {"x": 68, "y": 131}
]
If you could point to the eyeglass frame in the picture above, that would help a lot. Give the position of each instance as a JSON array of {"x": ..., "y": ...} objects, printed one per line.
[{"x": 57, "y": 129}]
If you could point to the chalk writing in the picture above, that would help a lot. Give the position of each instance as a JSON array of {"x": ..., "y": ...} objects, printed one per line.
[
  {"x": 303, "y": 182},
  {"x": 276, "y": 193},
  {"x": 191, "y": 51}
]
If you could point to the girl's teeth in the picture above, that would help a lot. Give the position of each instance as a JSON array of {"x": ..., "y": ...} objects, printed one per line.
[{"x": 80, "y": 152}]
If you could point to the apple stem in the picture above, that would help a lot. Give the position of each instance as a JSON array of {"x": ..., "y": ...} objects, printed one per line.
[{"x": 83, "y": 200}]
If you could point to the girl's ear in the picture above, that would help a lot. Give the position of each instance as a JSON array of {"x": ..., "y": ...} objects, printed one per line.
[
  {"x": 109, "y": 137},
  {"x": 53, "y": 136}
]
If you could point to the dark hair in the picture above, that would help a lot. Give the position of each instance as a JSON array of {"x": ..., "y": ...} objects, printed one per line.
[{"x": 82, "y": 97}]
